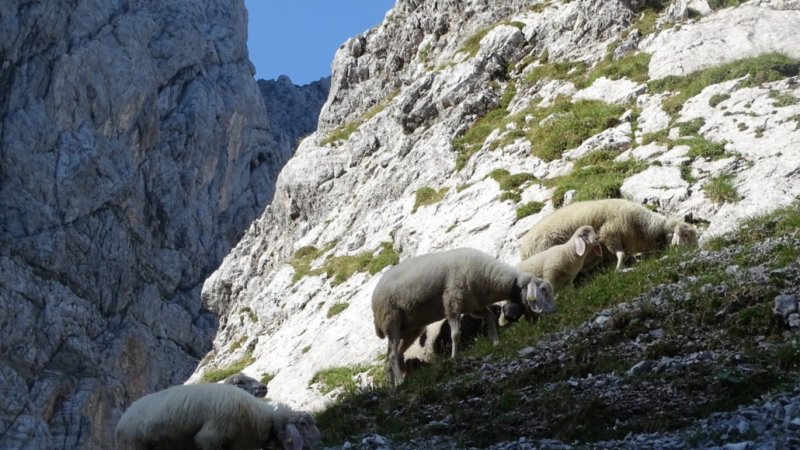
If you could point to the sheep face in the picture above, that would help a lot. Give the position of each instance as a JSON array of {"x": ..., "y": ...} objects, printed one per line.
[
  {"x": 682, "y": 233},
  {"x": 539, "y": 294},
  {"x": 586, "y": 236},
  {"x": 251, "y": 385},
  {"x": 301, "y": 432}
]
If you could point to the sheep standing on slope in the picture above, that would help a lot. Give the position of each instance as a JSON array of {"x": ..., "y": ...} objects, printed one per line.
[
  {"x": 431, "y": 287},
  {"x": 559, "y": 264},
  {"x": 212, "y": 416},
  {"x": 251, "y": 385},
  {"x": 624, "y": 227}
]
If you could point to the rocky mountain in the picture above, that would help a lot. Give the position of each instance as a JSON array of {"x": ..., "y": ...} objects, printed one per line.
[
  {"x": 135, "y": 150},
  {"x": 463, "y": 123},
  {"x": 293, "y": 110}
]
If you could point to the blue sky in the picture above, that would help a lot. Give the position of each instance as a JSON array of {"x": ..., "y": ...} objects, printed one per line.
[{"x": 298, "y": 38}]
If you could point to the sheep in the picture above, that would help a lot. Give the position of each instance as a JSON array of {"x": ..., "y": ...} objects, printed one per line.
[
  {"x": 624, "y": 227},
  {"x": 443, "y": 285},
  {"x": 251, "y": 385},
  {"x": 212, "y": 416},
  {"x": 560, "y": 264}
]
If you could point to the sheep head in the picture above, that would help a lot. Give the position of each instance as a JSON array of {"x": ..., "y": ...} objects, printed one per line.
[
  {"x": 251, "y": 385},
  {"x": 296, "y": 430},
  {"x": 681, "y": 233},
  {"x": 586, "y": 236},
  {"x": 539, "y": 294}
]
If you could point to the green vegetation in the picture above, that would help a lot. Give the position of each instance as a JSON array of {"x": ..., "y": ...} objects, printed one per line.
[
  {"x": 716, "y": 99},
  {"x": 782, "y": 99},
  {"x": 427, "y": 196},
  {"x": 510, "y": 185},
  {"x": 570, "y": 71},
  {"x": 340, "y": 268},
  {"x": 633, "y": 66},
  {"x": 249, "y": 312},
  {"x": 473, "y": 43},
  {"x": 473, "y": 139},
  {"x": 761, "y": 69},
  {"x": 720, "y": 189},
  {"x": 343, "y": 132},
  {"x": 336, "y": 308},
  {"x": 304, "y": 256},
  {"x": 690, "y": 297},
  {"x": 344, "y": 377},
  {"x": 266, "y": 377},
  {"x": 595, "y": 176},
  {"x": 220, "y": 374},
  {"x": 529, "y": 208},
  {"x": 238, "y": 343}
]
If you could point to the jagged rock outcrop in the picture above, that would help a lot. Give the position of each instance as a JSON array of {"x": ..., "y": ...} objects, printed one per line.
[
  {"x": 293, "y": 110},
  {"x": 405, "y": 93},
  {"x": 134, "y": 152}
]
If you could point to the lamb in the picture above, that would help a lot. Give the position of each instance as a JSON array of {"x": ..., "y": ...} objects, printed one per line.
[
  {"x": 251, "y": 385},
  {"x": 624, "y": 227},
  {"x": 560, "y": 264},
  {"x": 427, "y": 288},
  {"x": 212, "y": 416}
]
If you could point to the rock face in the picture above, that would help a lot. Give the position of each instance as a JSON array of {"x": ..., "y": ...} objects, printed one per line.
[
  {"x": 134, "y": 152},
  {"x": 405, "y": 96},
  {"x": 293, "y": 110}
]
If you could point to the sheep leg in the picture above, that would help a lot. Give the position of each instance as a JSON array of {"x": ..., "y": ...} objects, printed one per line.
[
  {"x": 455, "y": 332},
  {"x": 209, "y": 437},
  {"x": 619, "y": 250},
  {"x": 488, "y": 317}
]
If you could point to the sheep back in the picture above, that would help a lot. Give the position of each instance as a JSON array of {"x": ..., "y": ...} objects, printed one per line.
[
  {"x": 415, "y": 288},
  {"x": 172, "y": 418},
  {"x": 637, "y": 228}
]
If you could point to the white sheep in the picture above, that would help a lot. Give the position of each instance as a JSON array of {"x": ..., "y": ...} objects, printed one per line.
[
  {"x": 249, "y": 384},
  {"x": 212, "y": 416},
  {"x": 624, "y": 227},
  {"x": 560, "y": 264},
  {"x": 444, "y": 285}
]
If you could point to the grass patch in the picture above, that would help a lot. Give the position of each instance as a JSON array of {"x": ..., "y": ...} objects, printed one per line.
[
  {"x": 303, "y": 258},
  {"x": 700, "y": 147},
  {"x": 266, "y": 377},
  {"x": 246, "y": 310},
  {"x": 212, "y": 376},
  {"x": 473, "y": 43},
  {"x": 720, "y": 189},
  {"x": 427, "y": 196},
  {"x": 340, "y": 268},
  {"x": 782, "y": 99},
  {"x": 633, "y": 66},
  {"x": 595, "y": 176},
  {"x": 570, "y": 71},
  {"x": 716, "y": 99},
  {"x": 528, "y": 209},
  {"x": 760, "y": 69},
  {"x": 568, "y": 124},
  {"x": 342, "y": 377},
  {"x": 343, "y": 132},
  {"x": 472, "y": 141},
  {"x": 720, "y": 4},
  {"x": 337, "y": 308}
]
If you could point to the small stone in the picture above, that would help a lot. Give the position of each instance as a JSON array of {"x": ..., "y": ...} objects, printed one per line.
[
  {"x": 785, "y": 305},
  {"x": 525, "y": 352},
  {"x": 738, "y": 446},
  {"x": 601, "y": 320},
  {"x": 640, "y": 367}
]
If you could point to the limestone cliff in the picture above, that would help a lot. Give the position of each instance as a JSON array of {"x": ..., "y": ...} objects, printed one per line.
[
  {"x": 463, "y": 123},
  {"x": 135, "y": 149}
]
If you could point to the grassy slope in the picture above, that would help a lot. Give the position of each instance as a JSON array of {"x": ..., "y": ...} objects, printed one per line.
[{"x": 704, "y": 329}]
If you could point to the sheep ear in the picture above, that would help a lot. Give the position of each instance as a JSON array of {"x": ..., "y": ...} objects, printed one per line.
[
  {"x": 580, "y": 246},
  {"x": 292, "y": 440}
]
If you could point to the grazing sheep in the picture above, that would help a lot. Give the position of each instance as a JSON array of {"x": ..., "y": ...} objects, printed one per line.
[
  {"x": 624, "y": 227},
  {"x": 444, "y": 285},
  {"x": 212, "y": 416},
  {"x": 561, "y": 263},
  {"x": 251, "y": 385}
]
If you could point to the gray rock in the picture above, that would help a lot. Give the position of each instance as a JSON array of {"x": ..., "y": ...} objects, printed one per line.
[{"x": 785, "y": 304}]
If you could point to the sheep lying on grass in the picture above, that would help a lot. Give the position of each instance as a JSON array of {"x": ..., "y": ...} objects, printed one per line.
[
  {"x": 212, "y": 416},
  {"x": 444, "y": 285},
  {"x": 251, "y": 385},
  {"x": 624, "y": 227},
  {"x": 561, "y": 263}
]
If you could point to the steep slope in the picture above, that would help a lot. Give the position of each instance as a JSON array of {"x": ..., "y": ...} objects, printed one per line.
[
  {"x": 463, "y": 123},
  {"x": 134, "y": 152}
]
